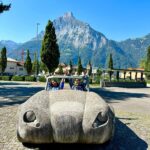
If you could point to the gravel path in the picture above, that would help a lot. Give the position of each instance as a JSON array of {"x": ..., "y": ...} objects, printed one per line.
[{"x": 132, "y": 125}]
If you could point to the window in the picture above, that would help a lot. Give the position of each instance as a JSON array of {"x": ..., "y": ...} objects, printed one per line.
[
  {"x": 11, "y": 67},
  {"x": 20, "y": 69}
]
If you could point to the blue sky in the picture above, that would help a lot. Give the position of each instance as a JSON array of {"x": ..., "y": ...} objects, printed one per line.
[{"x": 116, "y": 19}]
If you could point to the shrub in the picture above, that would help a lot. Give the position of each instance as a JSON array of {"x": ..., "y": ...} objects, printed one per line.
[
  {"x": 97, "y": 79},
  {"x": 30, "y": 78},
  {"x": 42, "y": 79},
  {"x": 18, "y": 78},
  {"x": 6, "y": 78},
  {"x": 0, "y": 77}
]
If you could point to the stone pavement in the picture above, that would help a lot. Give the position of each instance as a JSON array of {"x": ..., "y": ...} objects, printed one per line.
[{"x": 132, "y": 127}]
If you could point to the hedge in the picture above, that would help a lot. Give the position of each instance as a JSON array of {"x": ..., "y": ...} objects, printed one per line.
[
  {"x": 6, "y": 78},
  {"x": 18, "y": 78},
  {"x": 42, "y": 79},
  {"x": 30, "y": 78}
]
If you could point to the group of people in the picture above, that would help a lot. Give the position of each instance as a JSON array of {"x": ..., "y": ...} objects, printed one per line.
[{"x": 77, "y": 84}]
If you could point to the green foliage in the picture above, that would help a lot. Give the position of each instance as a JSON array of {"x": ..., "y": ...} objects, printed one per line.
[
  {"x": 97, "y": 79},
  {"x": 6, "y": 78},
  {"x": 117, "y": 75},
  {"x": 142, "y": 63},
  {"x": 28, "y": 63},
  {"x": 90, "y": 71},
  {"x": 42, "y": 79},
  {"x": 4, "y": 7},
  {"x": 70, "y": 65},
  {"x": 99, "y": 72},
  {"x": 50, "y": 51},
  {"x": 0, "y": 77},
  {"x": 43, "y": 67},
  {"x": 147, "y": 64},
  {"x": 18, "y": 78},
  {"x": 80, "y": 68},
  {"x": 110, "y": 62},
  {"x": 30, "y": 78},
  {"x": 3, "y": 59},
  {"x": 35, "y": 65},
  {"x": 60, "y": 71}
]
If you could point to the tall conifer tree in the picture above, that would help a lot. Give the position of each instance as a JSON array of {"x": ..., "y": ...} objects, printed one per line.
[
  {"x": 28, "y": 63},
  {"x": 147, "y": 64},
  {"x": 80, "y": 68},
  {"x": 3, "y": 59},
  {"x": 50, "y": 51},
  {"x": 110, "y": 62},
  {"x": 35, "y": 65}
]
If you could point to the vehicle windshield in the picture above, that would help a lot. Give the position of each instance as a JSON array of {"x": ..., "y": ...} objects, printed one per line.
[{"x": 67, "y": 82}]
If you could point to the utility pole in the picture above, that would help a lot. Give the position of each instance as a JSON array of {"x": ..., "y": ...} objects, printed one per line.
[{"x": 37, "y": 49}]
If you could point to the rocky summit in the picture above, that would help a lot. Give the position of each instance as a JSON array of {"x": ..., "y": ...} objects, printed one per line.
[{"x": 76, "y": 38}]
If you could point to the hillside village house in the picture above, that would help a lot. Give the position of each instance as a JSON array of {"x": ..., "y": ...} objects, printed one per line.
[{"x": 15, "y": 67}]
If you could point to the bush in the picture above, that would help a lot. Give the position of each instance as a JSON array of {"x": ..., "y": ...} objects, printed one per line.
[
  {"x": 18, "y": 78},
  {"x": 30, "y": 78},
  {"x": 97, "y": 79},
  {"x": 42, "y": 79},
  {"x": 6, "y": 78},
  {"x": 148, "y": 81},
  {"x": 0, "y": 77}
]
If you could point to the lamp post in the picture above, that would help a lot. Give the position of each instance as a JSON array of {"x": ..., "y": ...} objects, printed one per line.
[{"x": 37, "y": 48}]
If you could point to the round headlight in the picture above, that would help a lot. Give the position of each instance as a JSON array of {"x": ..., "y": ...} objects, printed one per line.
[
  {"x": 100, "y": 120},
  {"x": 29, "y": 116}
]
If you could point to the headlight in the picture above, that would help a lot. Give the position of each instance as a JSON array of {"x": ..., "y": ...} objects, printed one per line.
[
  {"x": 29, "y": 116},
  {"x": 100, "y": 120}
]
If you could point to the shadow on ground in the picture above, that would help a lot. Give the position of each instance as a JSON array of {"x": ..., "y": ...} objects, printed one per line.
[
  {"x": 124, "y": 139},
  {"x": 16, "y": 95},
  {"x": 13, "y": 83},
  {"x": 113, "y": 95}
]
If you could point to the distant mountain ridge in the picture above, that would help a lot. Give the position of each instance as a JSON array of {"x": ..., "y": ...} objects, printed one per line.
[{"x": 76, "y": 38}]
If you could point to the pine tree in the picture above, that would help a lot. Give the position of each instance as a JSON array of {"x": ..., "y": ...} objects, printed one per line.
[
  {"x": 28, "y": 63},
  {"x": 35, "y": 65},
  {"x": 90, "y": 68},
  {"x": 80, "y": 68},
  {"x": 50, "y": 51},
  {"x": 110, "y": 66},
  {"x": 60, "y": 71},
  {"x": 4, "y": 7},
  {"x": 3, "y": 59},
  {"x": 147, "y": 64},
  {"x": 70, "y": 65},
  {"x": 110, "y": 62},
  {"x": 43, "y": 67}
]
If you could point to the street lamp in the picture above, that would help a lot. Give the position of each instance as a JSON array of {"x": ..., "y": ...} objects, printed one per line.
[{"x": 37, "y": 48}]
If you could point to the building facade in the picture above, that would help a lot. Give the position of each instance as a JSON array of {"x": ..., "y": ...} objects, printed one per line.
[{"x": 15, "y": 67}]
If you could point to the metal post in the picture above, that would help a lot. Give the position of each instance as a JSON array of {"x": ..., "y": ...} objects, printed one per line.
[{"x": 37, "y": 48}]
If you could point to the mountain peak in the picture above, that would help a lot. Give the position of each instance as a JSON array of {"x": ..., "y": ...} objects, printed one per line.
[{"x": 68, "y": 15}]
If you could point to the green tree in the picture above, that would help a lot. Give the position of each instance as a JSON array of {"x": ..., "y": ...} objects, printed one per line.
[
  {"x": 90, "y": 68},
  {"x": 50, "y": 51},
  {"x": 3, "y": 59},
  {"x": 147, "y": 64},
  {"x": 71, "y": 67},
  {"x": 28, "y": 63},
  {"x": 80, "y": 68},
  {"x": 4, "y": 7},
  {"x": 43, "y": 67},
  {"x": 35, "y": 65},
  {"x": 99, "y": 71},
  {"x": 110, "y": 62},
  {"x": 110, "y": 66},
  {"x": 60, "y": 70},
  {"x": 142, "y": 63}
]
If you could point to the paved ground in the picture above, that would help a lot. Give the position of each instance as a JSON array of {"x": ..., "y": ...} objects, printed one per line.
[{"x": 132, "y": 108}]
